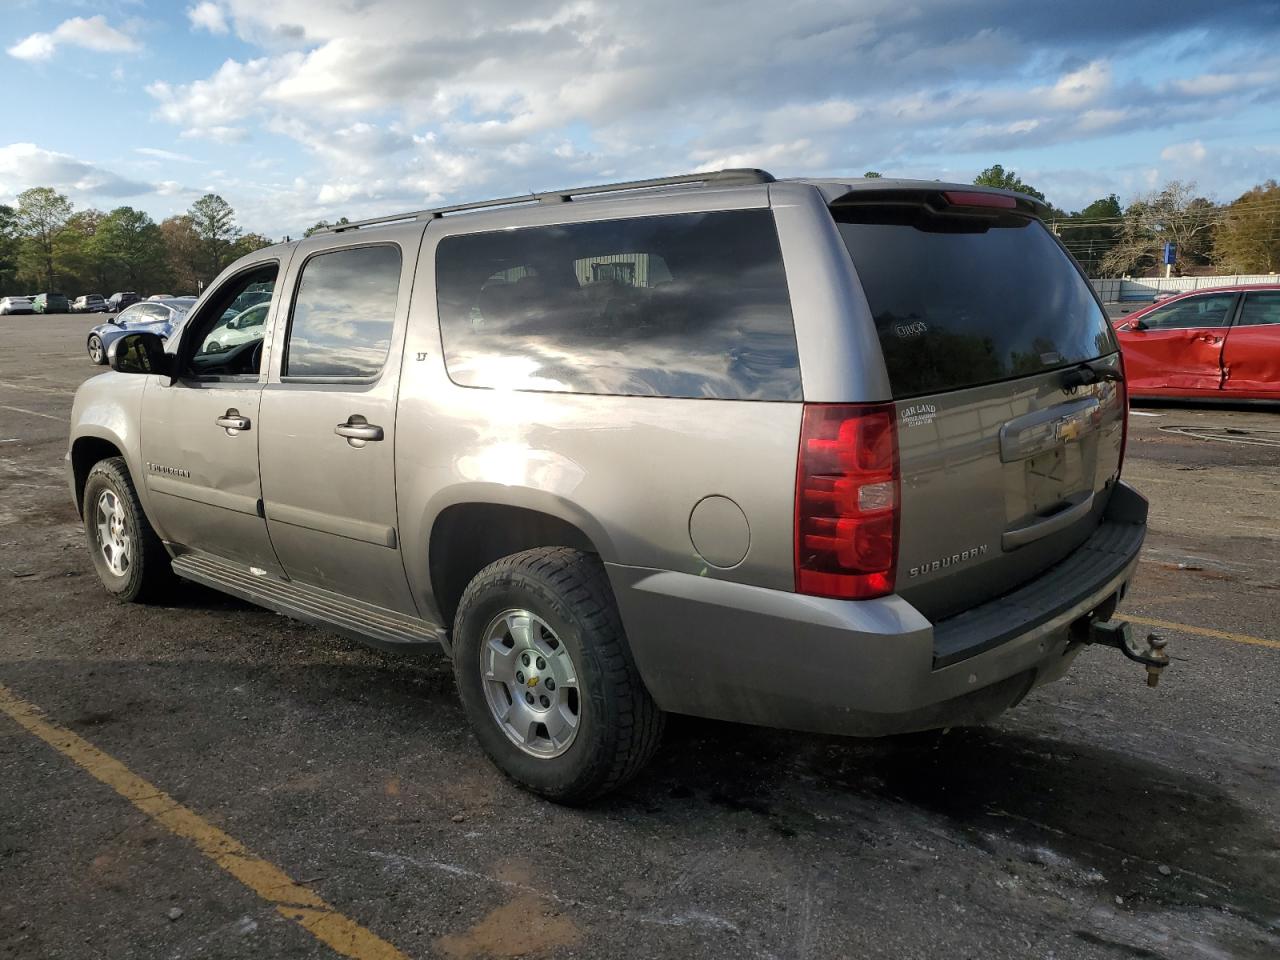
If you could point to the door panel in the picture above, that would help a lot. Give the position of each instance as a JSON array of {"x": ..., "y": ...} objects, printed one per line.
[
  {"x": 331, "y": 506},
  {"x": 328, "y": 421},
  {"x": 1180, "y": 351},
  {"x": 1251, "y": 355},
  {"x": 204, "y": 477},
  {"x": 200, "y": 436},
  {"x": 1176, "y": 360}
]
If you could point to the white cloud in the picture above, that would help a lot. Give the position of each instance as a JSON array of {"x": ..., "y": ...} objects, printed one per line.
[
  {"x": 24, "y": 165},
  {"x": 166, "y": 155},
  {"x": 208, "y": 16},
  {"x": 91, "y": 33},
  {"x": 1190, "y": 153},
  {"x": 403, "y": 102}
]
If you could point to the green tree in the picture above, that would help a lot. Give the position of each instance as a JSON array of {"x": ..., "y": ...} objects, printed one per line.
[
  {"x": 325, "y": 225},
  {"x": 10, "y": 242},
  {"x": 42, "y": 212},
  {"x": 183, "y": 254},
  {"x": 215, "y": 224},
  {"x": 1173, "y": 214},
  {"x": 74, "y": 256},
  {"x": 249, "y": 243},
  {"x": 1247, "y": 239},
  {"x": 997, "y": 176},
  {"x": 872, "y": 175},
  {"x": 130, "y": 247},
  {"x": 1091, "y": 232}
]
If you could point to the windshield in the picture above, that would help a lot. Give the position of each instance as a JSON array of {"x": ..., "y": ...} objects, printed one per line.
[{"x": 962, "y": 301}]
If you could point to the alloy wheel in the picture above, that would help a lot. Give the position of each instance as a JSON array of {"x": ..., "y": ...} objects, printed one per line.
[{"x": 530, "y": 683}]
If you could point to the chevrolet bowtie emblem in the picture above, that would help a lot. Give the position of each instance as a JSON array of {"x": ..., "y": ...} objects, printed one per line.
[{"x": 533, "y": 681}]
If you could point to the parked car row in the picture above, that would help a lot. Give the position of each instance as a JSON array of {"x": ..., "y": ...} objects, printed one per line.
[{"x": 88, "y": 303}]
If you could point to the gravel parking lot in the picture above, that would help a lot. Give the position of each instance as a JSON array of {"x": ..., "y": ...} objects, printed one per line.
[{"x": 1100, "y": 819}]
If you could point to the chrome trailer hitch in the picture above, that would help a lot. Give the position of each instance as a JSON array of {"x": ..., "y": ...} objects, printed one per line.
[{"x": 1119, "y": 634}]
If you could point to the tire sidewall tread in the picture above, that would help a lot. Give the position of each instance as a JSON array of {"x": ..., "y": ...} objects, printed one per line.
[
  {"x": 150, "y": 572},
  {"x": 620, "y": 726}
]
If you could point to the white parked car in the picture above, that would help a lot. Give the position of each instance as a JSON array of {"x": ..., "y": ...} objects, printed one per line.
[
  {"x": 10, "y": 305},
  {"x": 236, "y": 329}
]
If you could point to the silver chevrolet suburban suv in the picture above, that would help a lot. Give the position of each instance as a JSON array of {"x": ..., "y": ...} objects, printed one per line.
[{"x": 829, "y": 455}]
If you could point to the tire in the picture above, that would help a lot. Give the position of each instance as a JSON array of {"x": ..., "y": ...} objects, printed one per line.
[
  {"x": 568, "y": 597},
  {"x": 138, "y": 568},
  {"x": 97, "y": 352}
]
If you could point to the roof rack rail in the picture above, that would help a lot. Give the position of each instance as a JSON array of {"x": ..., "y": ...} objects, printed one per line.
[{"x": 716, "y": 177}]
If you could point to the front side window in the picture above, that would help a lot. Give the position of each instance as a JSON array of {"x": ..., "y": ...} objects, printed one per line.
[
  {"x": 1260, "y": 309},
  {"x": 1207, "y": 311},
  {"x": 219, "y": 342},
  {"x": 691, "y": 305},
  {"x": 344, "y": 313}
]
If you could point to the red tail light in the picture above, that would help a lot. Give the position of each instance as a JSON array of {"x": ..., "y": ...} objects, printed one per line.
[{"x": 846, "y": 531}]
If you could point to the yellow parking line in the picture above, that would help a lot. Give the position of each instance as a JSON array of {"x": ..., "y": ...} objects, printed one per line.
[
  {"x": 290, "y": 898},
  {"x": 1206, "y": 632}
]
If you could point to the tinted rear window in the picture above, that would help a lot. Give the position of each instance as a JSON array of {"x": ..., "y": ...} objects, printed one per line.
[
  {"x": 692, "y": 305},
  {"x": 959, "y": 301}
]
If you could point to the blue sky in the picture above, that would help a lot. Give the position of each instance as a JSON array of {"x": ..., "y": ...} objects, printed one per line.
[{"x": 295, "y": 110}]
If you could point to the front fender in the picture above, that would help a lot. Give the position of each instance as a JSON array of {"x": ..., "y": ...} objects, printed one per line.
[{"x": 108, "y": 410}]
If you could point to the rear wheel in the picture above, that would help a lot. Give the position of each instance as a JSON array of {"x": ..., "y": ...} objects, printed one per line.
[
  {"x": 129, "y": 558},
  {"x": 96, "y": 351},
  {"x": 546, "y": 677}
]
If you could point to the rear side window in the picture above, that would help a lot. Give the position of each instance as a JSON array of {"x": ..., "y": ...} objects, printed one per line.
[
  {"x": 963, "y": 301},
  {"x": 1259, "y": 309},
  {"x": 343, "y": 313},
  {"x": 691, "y": 305}
]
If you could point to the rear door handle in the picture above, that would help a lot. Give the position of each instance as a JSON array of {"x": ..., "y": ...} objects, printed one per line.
[
  {"x": 232, "y": 422},
  {"x": 358, "y": 431}
]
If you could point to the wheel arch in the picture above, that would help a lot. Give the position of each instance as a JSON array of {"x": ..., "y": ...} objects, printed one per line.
[
  {"x": 467, "y": 536},
  {"x": 85, "y": 452}
]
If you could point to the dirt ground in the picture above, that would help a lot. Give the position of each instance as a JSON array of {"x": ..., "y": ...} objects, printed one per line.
[{"x": 1099, "y": 819}]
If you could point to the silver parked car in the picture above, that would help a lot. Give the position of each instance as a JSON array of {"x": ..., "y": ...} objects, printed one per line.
[
  {"x": 837, "y": 456},
  {"x": 159, "y": 317},
  {"x": 90, "y": 303}
]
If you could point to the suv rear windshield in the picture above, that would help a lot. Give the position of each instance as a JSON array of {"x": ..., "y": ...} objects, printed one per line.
[
  {"x": 961, "y": 301},
  {"x": 690, "y": 305}
]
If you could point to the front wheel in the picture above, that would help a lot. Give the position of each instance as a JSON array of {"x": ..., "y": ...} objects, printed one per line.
[
  {"x": 129, "y": 558},
  {"x": 97, "y": 353},
  {"x": 546, "y": 676}
]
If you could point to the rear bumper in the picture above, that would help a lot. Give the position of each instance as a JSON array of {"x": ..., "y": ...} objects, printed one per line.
[{"x": 867, "y": 668}]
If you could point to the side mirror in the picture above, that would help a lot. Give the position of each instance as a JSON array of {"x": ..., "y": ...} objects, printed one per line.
[
  {"x": 140, "y": 353},
  {"x": 1137, "y": 325}
]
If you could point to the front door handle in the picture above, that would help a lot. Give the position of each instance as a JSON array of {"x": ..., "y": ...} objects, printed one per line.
[
  {"x": 358, "y": 430},
  {"x": 232, "y": 422},
  {"x": 1209, "y": 338}
]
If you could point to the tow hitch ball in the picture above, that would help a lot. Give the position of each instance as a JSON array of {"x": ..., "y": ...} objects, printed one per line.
[{"x": 1118, "y": 634}]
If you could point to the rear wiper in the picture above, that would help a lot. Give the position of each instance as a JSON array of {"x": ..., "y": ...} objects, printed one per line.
[{"x": 1089, "y": 372}]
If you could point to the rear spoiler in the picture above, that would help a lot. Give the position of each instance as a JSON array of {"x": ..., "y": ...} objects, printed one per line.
[{"x": 939, "y": 197}]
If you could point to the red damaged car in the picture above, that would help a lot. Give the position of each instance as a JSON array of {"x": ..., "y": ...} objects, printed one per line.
[{"x": 1221, "y": 344}]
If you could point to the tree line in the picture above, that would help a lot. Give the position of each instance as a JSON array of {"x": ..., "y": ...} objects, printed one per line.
[
  {"x": 46, "y": 245},
  {"x": 1111, "y": 240},
  {"x": 1242, "y": 236}
]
